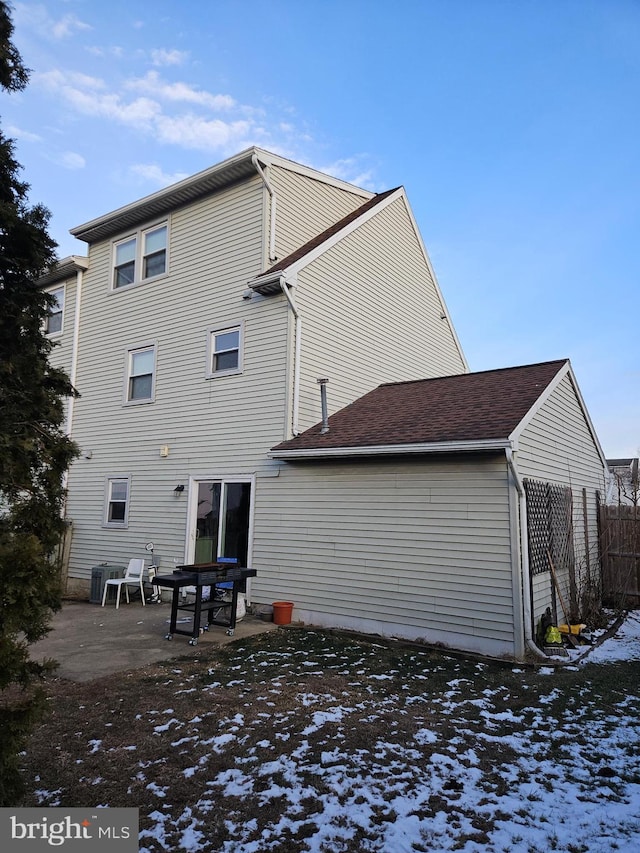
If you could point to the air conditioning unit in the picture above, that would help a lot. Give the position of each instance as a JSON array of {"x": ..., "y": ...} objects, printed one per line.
[{"x": 99, "y": 575}]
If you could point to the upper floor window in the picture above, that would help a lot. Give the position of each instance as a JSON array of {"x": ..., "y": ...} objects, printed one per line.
[
  {"x": 225, "y": 351},
  {"x": 116, "y": 502},
  {"x": 53, "y": 325},
  {"x": 140, "y": 257},
  {"x": 140, "y": 374}
]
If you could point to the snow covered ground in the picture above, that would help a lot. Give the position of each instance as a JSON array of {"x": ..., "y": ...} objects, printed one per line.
[
  {"x": 476, "y": 775},
  {"x": 311, "y": 742}
]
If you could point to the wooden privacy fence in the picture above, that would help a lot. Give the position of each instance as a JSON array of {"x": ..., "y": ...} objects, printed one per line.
[{"x": 620, "y": 554}]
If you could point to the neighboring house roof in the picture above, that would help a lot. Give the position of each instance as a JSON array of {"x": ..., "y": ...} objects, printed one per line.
[
  {"x": 623, "y": 481},
  {"x": 481, "y": 410},
  {"x": 230, "y": 171},
  {"x": 64, "y": 268},
  {"x": 620, "y": 463}
]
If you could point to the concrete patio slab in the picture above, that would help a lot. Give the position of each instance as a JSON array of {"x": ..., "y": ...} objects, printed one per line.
[{"x": 90, "y": 641}]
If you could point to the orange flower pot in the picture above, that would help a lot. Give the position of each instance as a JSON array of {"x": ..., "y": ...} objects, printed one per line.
[{"x": 282, "y": 611}]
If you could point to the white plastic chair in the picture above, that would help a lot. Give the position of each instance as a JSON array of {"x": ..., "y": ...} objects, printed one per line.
[{"x": 134, "y": 576}]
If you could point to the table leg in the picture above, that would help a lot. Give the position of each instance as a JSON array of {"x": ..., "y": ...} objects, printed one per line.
[
  {"x": 197, "y": 611},
  {"x": 175, "y": 598}
]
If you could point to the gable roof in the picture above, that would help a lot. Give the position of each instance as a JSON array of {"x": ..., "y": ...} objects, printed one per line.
[
  {"x": 240, "y": 167},
  {"x": 465, "y": 412},
  {"x": 268, "y": 281},
  {"x": 334, "y": 229}
]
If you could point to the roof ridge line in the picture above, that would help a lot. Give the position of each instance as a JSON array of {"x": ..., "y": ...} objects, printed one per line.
[{"x": 558, "y": 361}]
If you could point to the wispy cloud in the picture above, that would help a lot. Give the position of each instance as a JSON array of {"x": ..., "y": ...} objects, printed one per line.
[
  {"x": 70, "y": 160},
  {"x": 152, "y": 173},
  {"x": 192, "y": 131},
  {"x": 351, "y": 169},
  {"x": 185, "y": 116},
  {"x": 23, "y": 135},
  {"x": 37, "y": 17},
  {"x": 152, "y": 84},
  {"x": 114, "y": 50},
  {"x": 169, "y": 57},
  {"x": 89, "y": 96}
]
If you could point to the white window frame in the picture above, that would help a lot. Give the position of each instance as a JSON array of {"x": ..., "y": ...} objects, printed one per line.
[
  {"x": 139, "y": 256},
  {"x": 108, "y": 501},
  {"x": 129, "y": 359},
  {"x": 212, "y": 333},
  {"x": 50, "y": 313},
  {"x": 192, "y": 512}
]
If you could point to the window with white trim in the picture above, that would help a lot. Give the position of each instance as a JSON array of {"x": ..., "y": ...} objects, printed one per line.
[
  {"x": 140, "y": 257},
  {"x": 224, "y": 351},
  {"x": 117, "y": 502},
  {"x": 55, "y": 312},
  {"x": 141, "y": 368}
]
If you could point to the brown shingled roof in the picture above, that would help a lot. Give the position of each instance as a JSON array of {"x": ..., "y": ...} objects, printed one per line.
[
  {"x": 465, "y": 407},
  {"x": 318, "y": 240}
]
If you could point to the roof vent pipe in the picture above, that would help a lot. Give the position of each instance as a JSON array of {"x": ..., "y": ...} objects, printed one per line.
[{"x": 323, "y": 401}]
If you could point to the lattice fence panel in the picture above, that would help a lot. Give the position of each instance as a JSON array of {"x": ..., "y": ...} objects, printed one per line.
[
  {"x": 538, "y": 526},
  {"x": 550, "y": 526}
]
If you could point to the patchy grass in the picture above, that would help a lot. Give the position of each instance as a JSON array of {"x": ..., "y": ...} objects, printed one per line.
[{"x": 312, "y": 741}]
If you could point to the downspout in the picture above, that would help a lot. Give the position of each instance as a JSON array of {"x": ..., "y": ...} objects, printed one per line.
[
  {"x": 272, "y": 222},
  {"x": 297, "y": 349},
  {"x": 524, "y": 551},
  {"x": 73, "y": 371}
]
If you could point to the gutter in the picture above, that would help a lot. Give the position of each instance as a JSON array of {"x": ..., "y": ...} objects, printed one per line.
[
  {"x": 524, "y": 560},
  {"x": 487, "y": 445},
  {"x": 272, "y": 194}
]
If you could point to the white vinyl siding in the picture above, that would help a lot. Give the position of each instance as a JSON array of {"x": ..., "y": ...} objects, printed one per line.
[
  {"x": 224, "y": 351},
  {"x": 386, "y": 315},
  {"x": 55, "y": 313},
  {"x": 210, "y": 427},
  {"x": 557, "y": 447},
  {"x": 141, "y": 371},
  {"x": 116, "y": 512},
  {"x": 416, "y": 549},
  {"x": 61, "y": 354},
  {"x": 306, "y": 207}
]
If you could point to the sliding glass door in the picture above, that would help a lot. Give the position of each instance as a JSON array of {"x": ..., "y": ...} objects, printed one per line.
[{"x": 222, "y": 521}]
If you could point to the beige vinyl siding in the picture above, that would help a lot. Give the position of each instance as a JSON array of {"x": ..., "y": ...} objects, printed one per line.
[
  {"x": 371, "y": 314},
  {"x": 62, "y": 351},
  {"x": 213, "y": 427},
  {"x": 61, "y": 355},
  {"x": 307, "y": 207},
  {"x": 417, "y": 549},
  {"x": 557, "y": 447}
]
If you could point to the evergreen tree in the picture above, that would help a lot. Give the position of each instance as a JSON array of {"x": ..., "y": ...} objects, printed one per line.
[{"x": 34, "y": 451}]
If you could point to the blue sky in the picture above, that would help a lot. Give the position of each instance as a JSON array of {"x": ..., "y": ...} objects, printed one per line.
[{"x": 513, "y": 125}]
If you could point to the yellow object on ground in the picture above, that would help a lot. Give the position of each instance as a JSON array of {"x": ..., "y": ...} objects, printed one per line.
[{"x": 573, "y": 629}]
